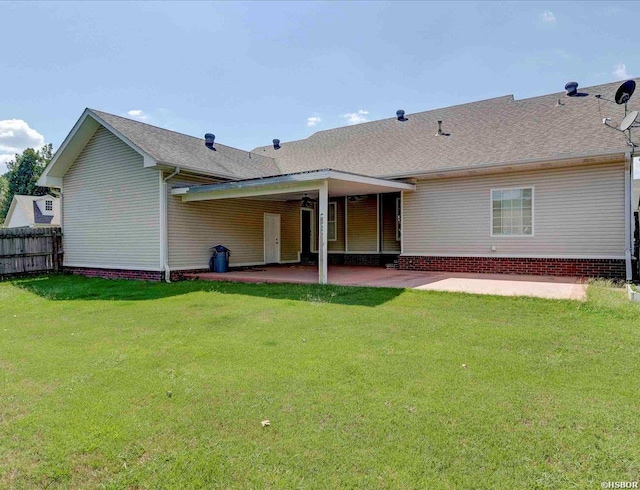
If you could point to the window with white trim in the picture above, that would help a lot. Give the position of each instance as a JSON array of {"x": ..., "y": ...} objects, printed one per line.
[
  {"x": 331, "y": 222},
  {"x": 512, "y": 212},
  {"x": 48, "y": 205},
  {"x": 398, "y": 219}
]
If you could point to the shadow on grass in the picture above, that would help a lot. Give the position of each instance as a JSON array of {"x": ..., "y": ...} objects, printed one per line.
[{"x": 67, "y": 287}]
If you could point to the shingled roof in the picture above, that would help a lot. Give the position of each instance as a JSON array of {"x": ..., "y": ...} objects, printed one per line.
[
  {"x": 189, "y": 152},
  {"x": 495, "y": 131}
]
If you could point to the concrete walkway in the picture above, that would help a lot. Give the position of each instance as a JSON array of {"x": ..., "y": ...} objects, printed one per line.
[{"x": 498, "y": 284}]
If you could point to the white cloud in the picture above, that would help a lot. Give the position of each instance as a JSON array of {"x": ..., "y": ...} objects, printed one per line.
[
  {"x": 356, "y": 117},
  {"x": 15, "y": 137},
  {"x": 620, "y": 71},
  {"x": 137, "y": 114},
  {"x": 548, "y": 17},
  {"x": 313, "y": 121}
]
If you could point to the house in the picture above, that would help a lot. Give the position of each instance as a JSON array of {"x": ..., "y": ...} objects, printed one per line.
[
  {"x": 535, "y": 186},
  {"x": 33, "y": 211}
]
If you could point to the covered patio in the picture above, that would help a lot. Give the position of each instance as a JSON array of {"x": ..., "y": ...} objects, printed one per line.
[
  {"x": 496, "y": 284},
  {"x": 328, "y": 194}
]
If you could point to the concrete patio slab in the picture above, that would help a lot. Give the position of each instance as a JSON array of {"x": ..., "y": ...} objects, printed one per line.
[{"x": 497, "y": 284}]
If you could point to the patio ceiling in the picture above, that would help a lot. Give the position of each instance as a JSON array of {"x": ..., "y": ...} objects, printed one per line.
[{"x": 293, "y": 186}]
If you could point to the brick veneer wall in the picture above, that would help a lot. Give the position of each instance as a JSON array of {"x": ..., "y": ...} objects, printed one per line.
[{"x": 609, "y": 268}]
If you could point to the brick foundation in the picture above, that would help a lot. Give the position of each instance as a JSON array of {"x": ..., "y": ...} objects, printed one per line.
[
  {"x": 609, "y": 268},
  {"x": 115, "y": 273},
  {"x": 176, "y": 275}
]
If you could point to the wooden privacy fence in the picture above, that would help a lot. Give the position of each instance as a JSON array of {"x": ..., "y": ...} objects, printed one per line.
[{"x": 30, "y": 250}]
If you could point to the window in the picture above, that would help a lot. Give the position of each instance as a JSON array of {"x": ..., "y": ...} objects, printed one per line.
[
  {"x": 398, "y": 219},
  {"x": 331, "y": 222},
  {"x": 512, "y": 212},
  {"x": 48, "y": 205}
]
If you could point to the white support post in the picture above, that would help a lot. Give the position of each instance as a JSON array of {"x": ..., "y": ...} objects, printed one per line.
[
  {"x": 378, "y": 219},
  {"x": 323, "y": 208}
]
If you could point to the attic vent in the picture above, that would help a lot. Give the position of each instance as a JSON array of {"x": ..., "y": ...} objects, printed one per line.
[
  {"x": 400, "y": 115},
  {"x": 276, "y": 144},
  {"x": 209, "y": 139},
  {"x": 571, "y": 88}
]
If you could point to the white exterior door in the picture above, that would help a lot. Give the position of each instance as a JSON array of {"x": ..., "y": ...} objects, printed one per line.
[{"x": 271, "y": 238}]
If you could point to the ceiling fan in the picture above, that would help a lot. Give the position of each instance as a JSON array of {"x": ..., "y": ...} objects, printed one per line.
[
  {"x": 306, "y": 201},
  {"x": 355, "y": 198}
]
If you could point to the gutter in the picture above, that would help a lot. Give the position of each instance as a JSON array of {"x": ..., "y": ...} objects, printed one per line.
[{"x": 164, "y": 225}]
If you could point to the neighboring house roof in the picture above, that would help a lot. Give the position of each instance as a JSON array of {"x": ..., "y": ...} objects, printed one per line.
[
  {"x": 38, "y": 217},
  {"x": 495, "y": 131},
  {"x": 189, "y": 152},
  {"x": 27, "y": 208}
]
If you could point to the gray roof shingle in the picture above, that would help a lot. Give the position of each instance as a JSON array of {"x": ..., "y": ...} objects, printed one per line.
[
  {"x": 189, "y": 152},
  {"x": 40, "y": 218},
  {"x": 494, "y": 131}
]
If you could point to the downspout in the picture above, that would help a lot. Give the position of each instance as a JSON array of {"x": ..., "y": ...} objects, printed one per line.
[
  {"x": 165, "y": 223},
  {"x": 61, "y": 210},
  {"x": 628, "y": 228}
]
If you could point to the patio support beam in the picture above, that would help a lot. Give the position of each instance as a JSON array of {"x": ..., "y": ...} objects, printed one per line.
[{"x": 323, "y": 210}]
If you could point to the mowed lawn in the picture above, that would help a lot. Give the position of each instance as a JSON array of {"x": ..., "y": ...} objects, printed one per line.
[{"x": 120, "y": 384}]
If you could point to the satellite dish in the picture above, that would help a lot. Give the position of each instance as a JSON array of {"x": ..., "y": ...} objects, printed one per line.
[
  {"x": 625, "y": 92},
  {"x": 628, "y": 120}
]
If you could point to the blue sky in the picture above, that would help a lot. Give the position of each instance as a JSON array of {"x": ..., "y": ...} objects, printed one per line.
[{"x": 251, "y": 72}]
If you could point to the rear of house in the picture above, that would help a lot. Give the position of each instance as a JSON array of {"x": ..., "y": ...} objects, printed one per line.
[{"x": 143, "y": 202}]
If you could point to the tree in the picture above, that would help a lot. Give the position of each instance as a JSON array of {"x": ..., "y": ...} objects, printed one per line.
[
  {"x": 4, "y": 185},
  {"x": 23, "y": 173}
]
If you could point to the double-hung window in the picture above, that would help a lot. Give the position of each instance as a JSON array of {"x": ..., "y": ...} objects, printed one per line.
[
  {"x": 331, "y": 222},
  {"x": 512, "y": 212}
]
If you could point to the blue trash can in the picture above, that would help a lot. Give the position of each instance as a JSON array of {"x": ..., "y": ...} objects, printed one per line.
[{"x": 220, "y": 259}]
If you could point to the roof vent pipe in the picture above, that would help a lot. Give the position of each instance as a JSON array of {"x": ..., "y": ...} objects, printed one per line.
[
  {"x": 209, "y": 139},
  {"x": 276, "y": 144},
  {"x": 439, "y": 133},
  {"x": 400, "y": 115},
  {"x": 571, "y": 88}
]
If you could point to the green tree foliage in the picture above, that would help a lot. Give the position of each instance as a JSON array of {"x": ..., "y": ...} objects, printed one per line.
[
  {"x": 23, "y": 173},
  {"x": 4, "y": 185}
]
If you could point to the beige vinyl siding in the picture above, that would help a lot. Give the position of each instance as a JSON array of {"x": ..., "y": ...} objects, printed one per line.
[
  {"x": 577, "y": 212},
  {"x": 388, "y": 231},
  {"x": 362, "y": 224},
  {"x": 111, "y": 207},
  {"x": 238, "y": 224}
]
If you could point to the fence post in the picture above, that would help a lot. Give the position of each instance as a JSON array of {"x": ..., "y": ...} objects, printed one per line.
[{"x": 54, "y": 237}]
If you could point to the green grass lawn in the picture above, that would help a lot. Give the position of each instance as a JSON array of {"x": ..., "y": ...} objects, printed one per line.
[{"x": 121, "y": 384}]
